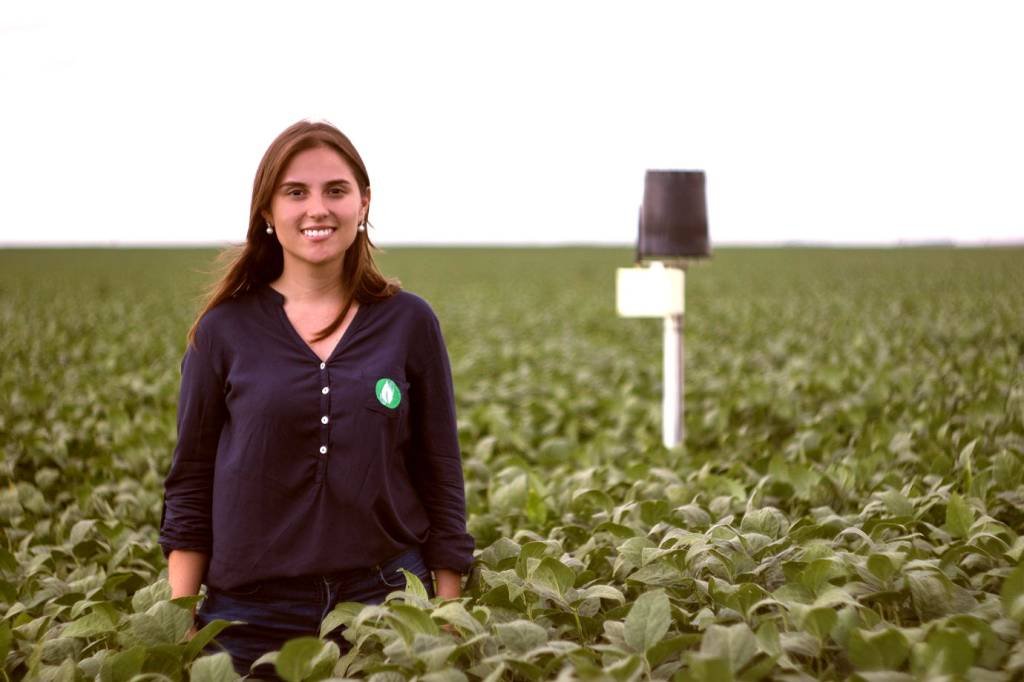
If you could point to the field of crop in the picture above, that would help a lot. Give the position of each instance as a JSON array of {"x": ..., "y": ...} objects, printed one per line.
[{"x": 849, "y": 503}]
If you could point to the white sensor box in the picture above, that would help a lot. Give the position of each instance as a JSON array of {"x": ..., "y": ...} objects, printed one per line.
[{"x": 654, "y": 291}]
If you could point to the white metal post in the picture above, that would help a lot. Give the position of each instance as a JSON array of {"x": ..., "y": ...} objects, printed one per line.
[
  {"x": 659, "y": 291},
  {"x": 672, "y": 432}
]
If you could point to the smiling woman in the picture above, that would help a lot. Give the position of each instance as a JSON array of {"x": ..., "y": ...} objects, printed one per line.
[{"x": 317, "y": 449}]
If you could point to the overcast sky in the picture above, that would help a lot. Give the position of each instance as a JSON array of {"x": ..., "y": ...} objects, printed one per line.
[{"x": 519, "y": 122}]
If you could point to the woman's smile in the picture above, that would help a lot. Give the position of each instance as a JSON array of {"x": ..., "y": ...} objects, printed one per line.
[{"x": 318, "y": 234}]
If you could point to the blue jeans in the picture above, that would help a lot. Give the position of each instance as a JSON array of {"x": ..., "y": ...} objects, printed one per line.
[{"x": 277, "y": 610}]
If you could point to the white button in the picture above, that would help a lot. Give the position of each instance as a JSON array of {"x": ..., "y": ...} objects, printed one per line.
[
  {"x": 325, "y": 390},
  {"x": 322, "y": 365},
  {"x": 323, "y": 449},
  {"x": 323, "y": 420}
]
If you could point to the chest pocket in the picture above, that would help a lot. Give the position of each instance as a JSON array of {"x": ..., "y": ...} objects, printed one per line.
[{"x": 387, "y": 393}]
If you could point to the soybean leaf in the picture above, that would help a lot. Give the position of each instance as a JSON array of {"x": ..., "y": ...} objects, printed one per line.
[
  {"x": 959, "y": 516},
  {"x": 508, "y": 578},
  {"x": 173, "y": 621},
  {"x": 735, "y": 644},
  {"x": 585, "y": 501},
  {"x": 929, "y": 593},
  {"x": 669, "y": 646},
  {"x": 80, "y": 530},
  {"x": 145, "y": 598},
  {"x": 510, "y": 498},
  {"x": 95, "y": 623},
  {"x": 555, "y": 575},
  {"x": 625, "y": 669},
  {"x": 520, "y": 635},
  {"x": 707, "y": 668},
  {"x": 946, "y": 652},
  {"x": 897, "y": 503},
  {"x": 204, "y": 636},
  {"x": 882, "y": 566},
  {"x": 306, "y": 658},
  {"x": 602, "y": 592},
  {"x": 817, "y": 573},
  {"x": 659, "y": 573},
  {"x": 648, "y": 620},
  {"x": 411, "y": 621},
  {"x": 215, "y": 668},
  {"x": 269, "y": 658},
  {"x": 344, "y": 613},
  {"x": 123, "y": 665},
  {"x": 413, "y": 584},
  {"x": 884, "y": 650},
  {"x": 432, "y": 651},
  {"x": 1012, "y": 594},
  {"x": 768, "y": 639},
  {"x": 188, "y": 602},
  {"x": 820, "y": 621},
  {"x": 529, "y": 557},
  {"x": 501, "y": 549},
  {"x": 164, "y": 659},
  {"x": 455, "y": 613}
]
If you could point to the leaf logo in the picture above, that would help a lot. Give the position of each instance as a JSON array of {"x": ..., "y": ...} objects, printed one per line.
[{"x": 388, "y": 393}]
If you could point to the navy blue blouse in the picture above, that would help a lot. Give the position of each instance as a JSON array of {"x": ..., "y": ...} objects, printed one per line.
[{"x": 286, "y": 465}]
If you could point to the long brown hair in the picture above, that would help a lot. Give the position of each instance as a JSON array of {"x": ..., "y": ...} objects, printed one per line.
[{"x": 260, "y": 259}]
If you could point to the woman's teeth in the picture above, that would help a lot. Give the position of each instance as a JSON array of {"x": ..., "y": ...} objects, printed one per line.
[{"x": 318, "y": 233}]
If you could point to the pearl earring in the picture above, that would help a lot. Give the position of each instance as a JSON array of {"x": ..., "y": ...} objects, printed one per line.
[
  {"x": 270, "y": 228},
  {"x": 362, "y": 227}
]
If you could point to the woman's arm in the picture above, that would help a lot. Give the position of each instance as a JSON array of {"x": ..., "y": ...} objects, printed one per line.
[
  {"x": 185, "y": 569},
  {"x": 434, "y": 461},
  {"x": 185, "y": 523},
  {"x": 448, "y": 583}
]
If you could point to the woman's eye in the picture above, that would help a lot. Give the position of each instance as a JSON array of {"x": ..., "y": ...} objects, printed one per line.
[{"x": 294, "y": 192}]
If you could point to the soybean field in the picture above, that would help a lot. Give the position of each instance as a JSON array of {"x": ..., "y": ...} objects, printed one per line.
[{"x": 849, "y": 503}]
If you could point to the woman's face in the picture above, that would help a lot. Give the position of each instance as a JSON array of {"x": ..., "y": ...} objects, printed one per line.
[{"x": 317, "y": 207}]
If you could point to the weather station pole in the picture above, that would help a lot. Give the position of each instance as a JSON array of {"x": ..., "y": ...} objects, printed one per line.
[
  {"x": 673, "y": 420},
  {"x": 673, "y": 230}
]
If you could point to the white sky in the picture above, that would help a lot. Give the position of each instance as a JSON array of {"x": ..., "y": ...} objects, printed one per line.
[{"x": 519, "y": 122}]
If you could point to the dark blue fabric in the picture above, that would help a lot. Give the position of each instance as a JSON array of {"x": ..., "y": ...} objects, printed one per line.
[
  {"x": 267, "y": 489},
  {"x": 275, "y": 611}
]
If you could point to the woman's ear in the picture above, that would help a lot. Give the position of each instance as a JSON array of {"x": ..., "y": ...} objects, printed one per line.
[{"x": 366, "y": 202}]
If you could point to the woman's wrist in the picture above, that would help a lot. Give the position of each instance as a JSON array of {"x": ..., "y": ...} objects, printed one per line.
[{"x": 448, "y": 583}]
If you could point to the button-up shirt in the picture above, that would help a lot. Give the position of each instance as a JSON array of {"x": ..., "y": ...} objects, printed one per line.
[{"x": 287, "y": 465}]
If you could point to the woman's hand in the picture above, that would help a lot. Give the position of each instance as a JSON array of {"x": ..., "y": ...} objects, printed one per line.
[{"x": 448, "y": 583}]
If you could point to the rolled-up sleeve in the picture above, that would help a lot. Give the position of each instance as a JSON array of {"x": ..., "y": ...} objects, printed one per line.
[
  {"x": 436, "y": 463},
  {"x": 185, "y": 521}
]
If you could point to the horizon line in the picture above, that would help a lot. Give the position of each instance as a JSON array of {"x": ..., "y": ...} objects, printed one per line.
[{"x": 792, "y": 243}]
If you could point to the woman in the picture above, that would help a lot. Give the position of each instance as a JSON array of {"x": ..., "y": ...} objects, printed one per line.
[{"x": 317, "y": 451}]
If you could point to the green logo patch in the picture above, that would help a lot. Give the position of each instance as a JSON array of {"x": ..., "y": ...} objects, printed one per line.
[{"x": 388, "y": 394}]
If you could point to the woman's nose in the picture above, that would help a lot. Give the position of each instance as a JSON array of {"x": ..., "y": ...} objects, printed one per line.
[{"x": 316, "y": 206}]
